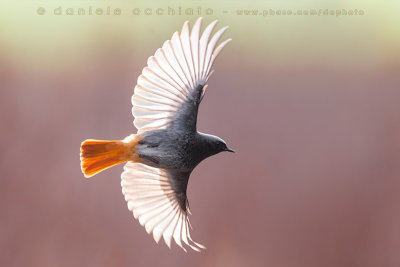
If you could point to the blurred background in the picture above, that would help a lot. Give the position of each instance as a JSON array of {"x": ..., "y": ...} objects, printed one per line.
[{"x": 309, "y": 102}]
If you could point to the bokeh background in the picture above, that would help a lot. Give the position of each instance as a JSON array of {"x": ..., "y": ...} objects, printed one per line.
[{"x": 310, "y": 104}]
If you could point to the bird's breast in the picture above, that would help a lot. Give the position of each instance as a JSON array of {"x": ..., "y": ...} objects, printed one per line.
[{"x": 169, "y": 150}]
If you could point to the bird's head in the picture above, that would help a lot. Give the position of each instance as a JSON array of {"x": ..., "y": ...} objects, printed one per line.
[{"x": 215, "y": 144}]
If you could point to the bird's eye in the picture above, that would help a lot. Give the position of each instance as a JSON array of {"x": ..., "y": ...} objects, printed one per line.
[{"x": 220, "y": 144}]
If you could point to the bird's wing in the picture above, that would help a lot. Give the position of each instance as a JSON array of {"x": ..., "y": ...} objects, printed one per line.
[
  {"x": 157, "y": 199},
  {"x": 170, "y": 88}
]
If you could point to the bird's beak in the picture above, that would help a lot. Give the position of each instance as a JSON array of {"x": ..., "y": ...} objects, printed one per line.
[{"x": 230, "y": 150}]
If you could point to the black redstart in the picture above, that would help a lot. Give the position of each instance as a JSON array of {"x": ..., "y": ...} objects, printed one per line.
[{"x": 167, "y": 146}]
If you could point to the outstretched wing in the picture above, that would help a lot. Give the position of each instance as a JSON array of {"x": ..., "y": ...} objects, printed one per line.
[
  {"x": 170, "y": 88},
  {"x": 157, "y": 199}
]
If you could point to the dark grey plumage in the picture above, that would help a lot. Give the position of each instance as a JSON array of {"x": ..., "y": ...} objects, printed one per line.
[{"x": 179, "y": 148}]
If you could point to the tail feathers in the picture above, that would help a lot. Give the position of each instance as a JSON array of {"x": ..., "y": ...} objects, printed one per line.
[{"x": 98, "y": 155}]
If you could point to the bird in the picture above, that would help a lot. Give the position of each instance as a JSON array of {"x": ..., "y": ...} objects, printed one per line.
[{"x": 167, "y": 146}]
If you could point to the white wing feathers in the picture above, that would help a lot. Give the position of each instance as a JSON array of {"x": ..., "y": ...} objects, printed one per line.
[
  {"x": 149, "y": 194},
  {"x": 172, "y": 74},
  {"x": 175, "y": 70}
]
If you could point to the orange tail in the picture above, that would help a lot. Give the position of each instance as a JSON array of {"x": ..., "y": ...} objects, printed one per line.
[{"x": 98, "y": 155}]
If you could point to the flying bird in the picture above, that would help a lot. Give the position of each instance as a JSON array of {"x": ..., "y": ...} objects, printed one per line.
[{"x": 167, "y": 146}]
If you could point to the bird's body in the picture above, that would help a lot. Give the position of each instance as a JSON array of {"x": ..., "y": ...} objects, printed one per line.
[
  {"x": 167, "y": 147},
  {"x": 179, "y": 146},
  {"x": 168, "y": 150}
]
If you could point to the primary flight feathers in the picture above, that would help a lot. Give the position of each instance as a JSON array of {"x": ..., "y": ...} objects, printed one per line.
[
  {"x": 168, "y": 91},
  {"x": 175, "y": 70},
  {"x": 150, "y": 196}
]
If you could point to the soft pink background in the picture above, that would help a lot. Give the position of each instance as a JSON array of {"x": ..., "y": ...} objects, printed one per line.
[{"x": 314, "y": 182}]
